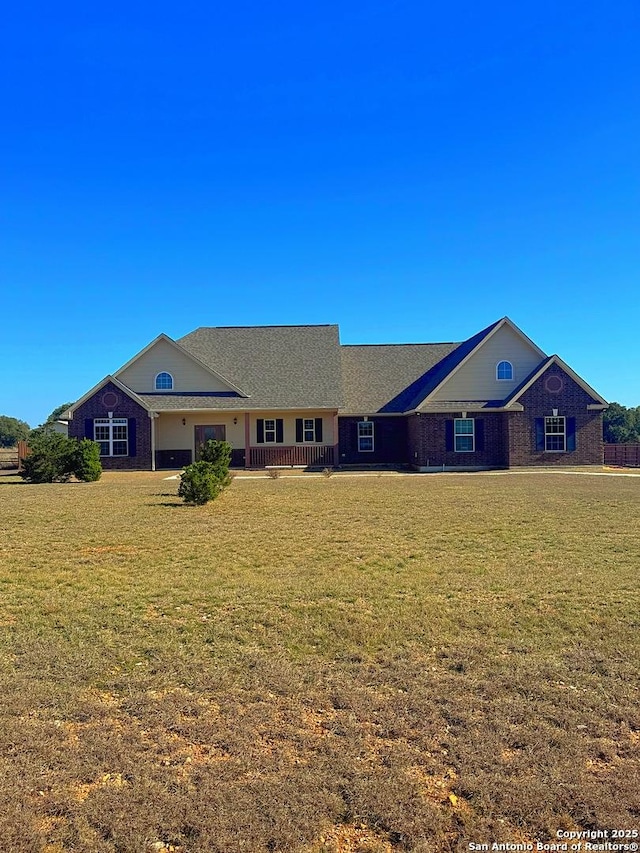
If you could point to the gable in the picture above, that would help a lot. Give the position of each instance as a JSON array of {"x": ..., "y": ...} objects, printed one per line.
[
  {"x": 164, "y": 356},
  {"x": 475, "y": 379},
  {"x": 541, "y": 382}
]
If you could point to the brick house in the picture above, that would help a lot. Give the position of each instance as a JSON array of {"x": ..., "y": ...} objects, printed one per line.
[{"x": 294, "y": 395}]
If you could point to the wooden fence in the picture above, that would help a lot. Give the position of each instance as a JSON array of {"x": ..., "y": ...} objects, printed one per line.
[{"x": 622, "y": 455}]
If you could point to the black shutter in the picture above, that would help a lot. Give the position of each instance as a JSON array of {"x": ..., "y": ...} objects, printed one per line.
[
  {"x": 88, "y": 428},
  {"x": 132, "y": 437},
  {"x": 479, "y": 435},
  {"x": 318, "y": 429},
  {"x": 448, "y": 435},
  {"x": 571, "y": 434},
  {"x": 539, "y": 433},
  {"x": 299, "y": 432},
  {"x": 260, "y": 426},
  {"x": 279, "y": 431}
]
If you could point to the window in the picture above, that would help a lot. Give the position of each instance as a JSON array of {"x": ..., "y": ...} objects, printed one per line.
[
  {"x": 308, "y": 430},
  {"x": 555, "y": 434},
  {"x": 365, "y": 437},
  {"x": 270, "y": 430},
  {"x": 464, "y": 435},
  {"x": 164, "y": 382},
  {"x": 112, "y": 436},
  {"x": 504, "y": 370}
]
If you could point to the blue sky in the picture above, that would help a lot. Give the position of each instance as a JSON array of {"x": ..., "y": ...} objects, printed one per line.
[{"x": 411, "y": 171}]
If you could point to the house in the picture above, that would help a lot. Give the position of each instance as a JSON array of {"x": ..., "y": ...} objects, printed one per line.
[{"x": 294, "y": 395}]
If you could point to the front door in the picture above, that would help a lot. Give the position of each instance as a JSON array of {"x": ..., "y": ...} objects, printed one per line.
[{"x": 217, "y": 432}]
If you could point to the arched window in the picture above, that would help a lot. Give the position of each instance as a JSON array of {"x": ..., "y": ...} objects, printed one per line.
[
  {"x": 504, "y": 370},
  {"x": 164, "y": 382}
]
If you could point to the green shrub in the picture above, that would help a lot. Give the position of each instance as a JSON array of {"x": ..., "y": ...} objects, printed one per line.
[
  {"x": 87, "y": 465},
  {"x": 204, "y": 480},
  {"x": 200, "y": 483},
  {"x": 217, "y": 454},
  {"x": 54, "y": 458}
]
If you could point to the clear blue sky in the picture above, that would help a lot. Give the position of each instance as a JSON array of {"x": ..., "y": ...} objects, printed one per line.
[{"x": 412, "y": 171}]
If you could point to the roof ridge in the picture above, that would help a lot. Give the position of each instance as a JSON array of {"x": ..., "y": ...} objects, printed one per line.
[
  {"x": 270, "y": 326},
  {"x": 410, "y": 344}
]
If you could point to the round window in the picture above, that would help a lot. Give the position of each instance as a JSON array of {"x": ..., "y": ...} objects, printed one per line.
[{"x": 110, "y": 400}]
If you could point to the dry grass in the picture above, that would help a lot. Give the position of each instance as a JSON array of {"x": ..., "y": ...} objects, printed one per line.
[{"x": 355, "y": 665}]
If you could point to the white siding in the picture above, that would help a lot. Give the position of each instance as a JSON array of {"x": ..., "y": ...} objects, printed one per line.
[
  {"x": 187, "y": 374},
  {"x": 476, "y": 379}
]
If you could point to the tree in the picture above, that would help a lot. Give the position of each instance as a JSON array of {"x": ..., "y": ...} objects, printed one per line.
[
  {"x": 621, "y": 424},
  {"x": 204, "y": 480},
  {"x": 218, "y": 454},
  {"x": 54, "y": 458},
  {"x": 59, "y": 410},
  {"x": 12, "y": 431}
]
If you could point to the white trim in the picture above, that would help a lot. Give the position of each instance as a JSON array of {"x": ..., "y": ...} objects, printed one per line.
[
  {"x": 131, "y": 394},
  {"x": 555, "y": 359},
  {"x": 111, "y": 423},
  {"x": 505, "y": 378},
  {"x": 464, "y": 435},
  {"x": 312, "y": 430},
  {"x": 163, "y": 373},
  {"x": 371, "y": 436},
  {"x": 547, "y": 434},
  {"x": 153, "y": 416}
]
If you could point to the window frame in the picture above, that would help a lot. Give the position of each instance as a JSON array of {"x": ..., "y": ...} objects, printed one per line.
[
  {"x": 555, "y": 434},
  {"x": 464, "y": 435},
  {"x": 509, "y": 378},
  {"x": 268, "y": 430},
  {"x": 366, "y": 438},
  {"x": 163, "y": 388},
  {"x": 111, "y": 424},
  {"x": 309, "y": 433}
]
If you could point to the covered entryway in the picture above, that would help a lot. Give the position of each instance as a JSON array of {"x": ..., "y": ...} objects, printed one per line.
[{"x": 208, "y": 432}]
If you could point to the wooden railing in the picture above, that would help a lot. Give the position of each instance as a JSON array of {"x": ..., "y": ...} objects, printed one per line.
[
  {"x": 304, "y": 455},
  {"x": 622, "y": 455}
]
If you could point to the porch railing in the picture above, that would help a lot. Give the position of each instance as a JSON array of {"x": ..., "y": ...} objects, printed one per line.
[{"x": 310, "y": 455}]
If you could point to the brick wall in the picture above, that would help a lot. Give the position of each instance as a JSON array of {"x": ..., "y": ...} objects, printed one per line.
[
  {"x": 571, "y": 401},
  {"x": 389, "y": 441},
  {"x": 111, "y": 399},
  {"x": 427, "y": 441}
]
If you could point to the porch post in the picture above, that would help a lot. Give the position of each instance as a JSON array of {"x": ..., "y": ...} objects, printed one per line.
[
  {"x": 247, "y": 441},
  {"x": 336, "y": 441},
  {"x": 153, "y": 417}
]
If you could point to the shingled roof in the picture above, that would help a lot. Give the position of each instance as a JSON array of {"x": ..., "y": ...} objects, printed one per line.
[
  {"x": 375, "y": 376},
  {"x": 276, "y": 366},
  {"x": 395, "y": 378},
  {"x": 305, "y": 367}
]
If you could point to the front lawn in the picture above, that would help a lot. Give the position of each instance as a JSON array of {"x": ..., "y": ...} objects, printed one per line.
[{"x": 318, "y": 664}]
